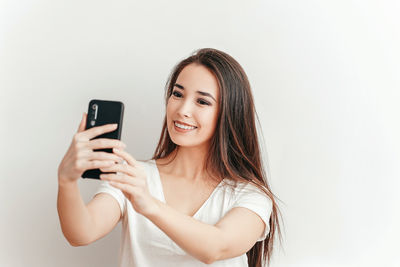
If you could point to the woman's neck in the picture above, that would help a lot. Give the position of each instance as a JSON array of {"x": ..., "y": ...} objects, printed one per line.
[{"x": 187, "y": 162}]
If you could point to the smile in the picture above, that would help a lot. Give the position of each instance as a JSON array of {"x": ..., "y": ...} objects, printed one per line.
[{"x": 182, "y": 127}]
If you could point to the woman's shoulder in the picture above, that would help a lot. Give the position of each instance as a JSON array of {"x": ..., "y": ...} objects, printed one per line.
[{"x": 237, "y": 188}]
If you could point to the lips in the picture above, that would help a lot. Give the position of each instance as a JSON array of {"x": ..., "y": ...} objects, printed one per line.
[{"x": 180, "y": 122}]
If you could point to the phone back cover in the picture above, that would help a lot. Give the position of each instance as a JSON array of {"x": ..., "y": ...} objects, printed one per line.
[{"x": 107, "y": 112}]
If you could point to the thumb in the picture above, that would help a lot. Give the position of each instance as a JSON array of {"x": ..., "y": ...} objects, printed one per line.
[{"x": 82, "y": 126}]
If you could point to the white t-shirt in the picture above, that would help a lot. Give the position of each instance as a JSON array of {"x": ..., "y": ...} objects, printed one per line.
[{"x": 143, "y": 244}]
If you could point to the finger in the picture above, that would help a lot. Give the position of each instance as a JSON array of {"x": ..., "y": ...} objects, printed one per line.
[
  {"x": 125, "y": 188},
  {"x": 100, "y": 143},
  {"x": 120, "y": 178},
  {"x": 98, "y": 130},
  {"x": 82, "y": 125},
  {"x": 99, "y": 155},
  {"x": 125, "y": 155},
  {"x": 97, "y": 164},
  {"x": 119, "y": 168}
]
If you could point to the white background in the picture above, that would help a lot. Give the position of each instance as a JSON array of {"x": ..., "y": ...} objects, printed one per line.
[{"x": 325, "y": 77}]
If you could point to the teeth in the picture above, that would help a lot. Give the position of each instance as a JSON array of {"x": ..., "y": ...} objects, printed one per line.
[{"x": 184, "y": 127}]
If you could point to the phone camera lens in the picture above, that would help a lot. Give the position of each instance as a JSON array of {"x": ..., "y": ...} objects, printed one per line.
[{"x": 94, "y": 106}]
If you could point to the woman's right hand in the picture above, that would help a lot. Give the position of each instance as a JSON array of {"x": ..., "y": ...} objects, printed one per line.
[{"x": 80, "y": 155}]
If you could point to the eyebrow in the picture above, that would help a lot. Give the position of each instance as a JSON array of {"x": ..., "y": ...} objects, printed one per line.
[{"x": 200, "y": 92}]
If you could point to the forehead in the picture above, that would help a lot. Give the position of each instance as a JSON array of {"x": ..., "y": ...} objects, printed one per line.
[{"x": 195, "y": 77}]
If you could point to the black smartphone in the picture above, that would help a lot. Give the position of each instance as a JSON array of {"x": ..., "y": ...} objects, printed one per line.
[{"x": 101, "y": 112}]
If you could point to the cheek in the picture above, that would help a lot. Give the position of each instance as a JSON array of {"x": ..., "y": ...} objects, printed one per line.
[
  {"x": 170, "y": 108},
  {"x": 209, "y": 119}
]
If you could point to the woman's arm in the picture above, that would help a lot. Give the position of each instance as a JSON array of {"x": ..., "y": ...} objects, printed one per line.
[
  {"x": 205, "y": 242},
  {"x": 199, "y": 239},
  {"x": 80, "y": 223},
  {"x": 74, "y": 216},
  {"x": 83, "y": 224},
  {"x": 232, "y": 236}
]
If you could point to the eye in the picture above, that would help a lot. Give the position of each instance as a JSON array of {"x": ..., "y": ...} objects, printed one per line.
[
  {"x": 202, "y": 102},
  {"x": 176, "y": 93}
]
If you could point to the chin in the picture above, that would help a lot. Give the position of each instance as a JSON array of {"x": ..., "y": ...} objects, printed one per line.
[{"x": 182, "y": 143}]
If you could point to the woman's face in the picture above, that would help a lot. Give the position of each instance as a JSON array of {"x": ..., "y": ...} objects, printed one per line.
[{"x": 193, "y": 104}]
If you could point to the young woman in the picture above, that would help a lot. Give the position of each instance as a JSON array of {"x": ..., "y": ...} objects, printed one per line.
[{"x": 203, "y": 198}]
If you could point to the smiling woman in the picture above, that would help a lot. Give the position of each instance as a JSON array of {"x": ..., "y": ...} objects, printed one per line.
[
  {"x": 191, "y": 111},
  {"x": 202, "y": 198},
  {"x": 210, "y": 90}
]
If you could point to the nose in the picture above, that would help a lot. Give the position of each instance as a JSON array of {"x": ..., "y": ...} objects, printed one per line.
[{"x": 185, "y": 109}]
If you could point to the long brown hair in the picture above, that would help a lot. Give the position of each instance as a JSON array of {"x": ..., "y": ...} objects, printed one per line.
[{"x": 234, "y": 148}]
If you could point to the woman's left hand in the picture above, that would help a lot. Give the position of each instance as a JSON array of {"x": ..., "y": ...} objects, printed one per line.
[{"x": 130, "y": 178}]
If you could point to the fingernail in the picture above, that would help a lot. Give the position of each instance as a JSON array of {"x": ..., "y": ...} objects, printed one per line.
[{"x": 116, "y": 150}]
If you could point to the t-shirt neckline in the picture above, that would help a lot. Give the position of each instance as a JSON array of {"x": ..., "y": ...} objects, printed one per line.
[{"x": 163, "y": 196}]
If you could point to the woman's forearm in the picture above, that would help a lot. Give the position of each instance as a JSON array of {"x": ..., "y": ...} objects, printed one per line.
[
  {"x": 202, "y": 241},
  {"x": 74, "y": 216}
]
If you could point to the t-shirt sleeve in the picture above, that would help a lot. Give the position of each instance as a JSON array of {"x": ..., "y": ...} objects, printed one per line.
[
  {"x": 254, "y": 199},
  {"x": 105, "y": 187}
]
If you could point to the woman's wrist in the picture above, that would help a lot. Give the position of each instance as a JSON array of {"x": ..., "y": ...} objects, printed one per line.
[
  {"x": 155, "y": 210},
  {"x": 65, "y": 182}
]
